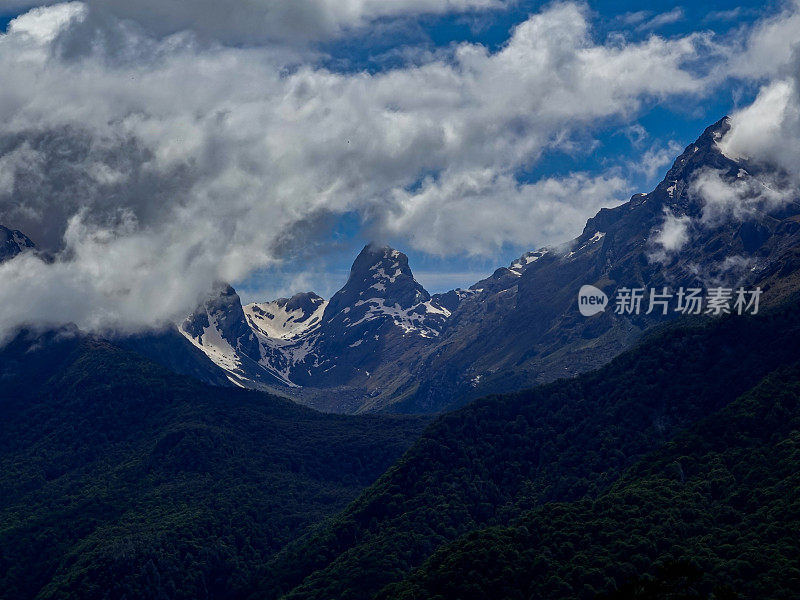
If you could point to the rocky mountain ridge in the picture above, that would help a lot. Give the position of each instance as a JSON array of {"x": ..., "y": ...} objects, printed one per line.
[
  {"x": 520, "y": 326},
  {"x": 383, "y": 343}
]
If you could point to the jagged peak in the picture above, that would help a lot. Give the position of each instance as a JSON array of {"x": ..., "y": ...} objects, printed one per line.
[
  {"x": 382, "y": 272},
  {"x": 13, "y": 242},
  {"x": 704, "y": 152},
  {"x": 373, "y": 256}
]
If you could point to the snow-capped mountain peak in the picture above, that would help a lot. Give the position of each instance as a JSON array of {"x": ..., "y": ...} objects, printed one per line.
[
  {"x": 291, "y": 340},
  {"x": 382, "y": 288},
  {"x": 379, "y": 272}
]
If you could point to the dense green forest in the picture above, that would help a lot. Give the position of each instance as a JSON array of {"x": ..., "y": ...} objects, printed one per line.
[
  {"x": 121, "y": 480},
  {"x": 670, "y": 473},
  {"x": 714, "y": 514},
  {"x": 487, "y": 465}
]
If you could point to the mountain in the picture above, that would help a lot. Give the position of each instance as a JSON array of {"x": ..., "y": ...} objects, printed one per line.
[
  {"x": 305, "y": 347},
  {"x": 380, "y": 306},
  {"x": 120, "y": 479},
  {"x": 523, "y": 326},
  {"x": 13, "y": 242},
  {"x": 675, "y": 465},
  {"x": 662, "y": 455},
  {"x": 382, "y": 343}
]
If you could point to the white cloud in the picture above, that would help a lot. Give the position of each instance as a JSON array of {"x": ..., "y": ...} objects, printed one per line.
[
  {"x": 668, "y": 18},
  {"x": 738, "y": 198},
  {"x": 670, "y": 237},
  {"x": 478, "y": 212},
  {"x": 651, "y": 164},
  {"x": 647, "y": 20},
  {"x": 42, "y": 25},
  {"x": 164, "y": 164},
  {"x": 768, "y": 131},
  {"x": 725, "y": 15},
  {"x": 769, "y": 49}
]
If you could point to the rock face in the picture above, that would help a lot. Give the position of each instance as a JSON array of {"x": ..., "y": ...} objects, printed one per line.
[
  {"x": 286, "y": 318},
  {"x": 220, "y": 329}
]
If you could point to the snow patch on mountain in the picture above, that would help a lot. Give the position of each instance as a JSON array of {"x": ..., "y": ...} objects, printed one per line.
[
  {"x": 414, "y": 320},
  {"x": 282, "y": 320},
  {"x": 217, "y": 348},
  {"x": 526, "y": 259}
]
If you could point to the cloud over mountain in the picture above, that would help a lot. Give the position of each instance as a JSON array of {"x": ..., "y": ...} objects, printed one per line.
[{"x": 154, "y": 163}]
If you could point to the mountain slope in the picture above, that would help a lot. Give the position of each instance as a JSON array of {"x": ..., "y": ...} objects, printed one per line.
[
  {"x": 489, "y": 462},
  {"x": 715, "y": 514},
  {"x": 121, "y": 478},
  {"x": 382, "y": 343},
  {"x": 525, "y": 328}
]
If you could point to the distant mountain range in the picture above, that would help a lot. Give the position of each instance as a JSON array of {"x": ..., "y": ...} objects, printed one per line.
[{"x": 383, "y": 343}]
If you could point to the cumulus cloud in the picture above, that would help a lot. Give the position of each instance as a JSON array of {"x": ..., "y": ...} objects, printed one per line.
[
  {"x": 739, "y": 198},
  {"x": 154, "y": 165},
  {"x": 480, "y": 211},
  {"x": 768, "y": 130},
  {"x": 769, "y": 49},
  {"x": 670, "y": 237}
]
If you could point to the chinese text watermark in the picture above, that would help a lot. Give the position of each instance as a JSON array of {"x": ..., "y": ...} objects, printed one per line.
[{"x": 687, "y": 301}]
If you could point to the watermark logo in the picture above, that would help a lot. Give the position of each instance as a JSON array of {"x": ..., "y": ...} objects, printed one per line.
[
  {"x": 687, "y": 301},
  {"x": 591, "y": 300}
]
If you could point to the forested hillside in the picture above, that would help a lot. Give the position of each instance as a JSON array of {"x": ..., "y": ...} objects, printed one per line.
[
  {"x": 570, "y": 441},
  {"x": 119, "y": 479},
  {"x": 714, "y": 514}
]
